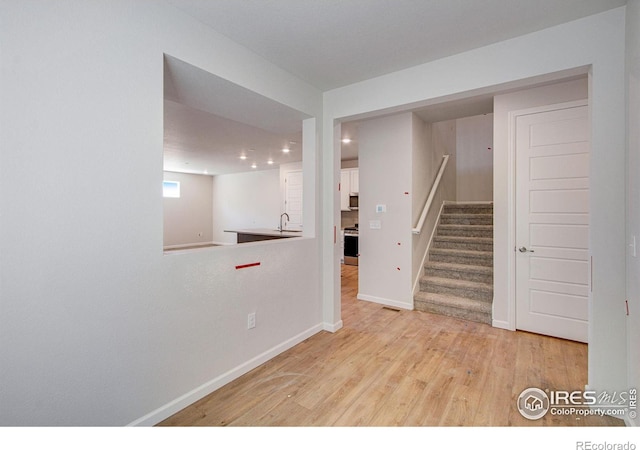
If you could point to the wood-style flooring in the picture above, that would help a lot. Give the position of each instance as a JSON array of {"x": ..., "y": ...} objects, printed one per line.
[{"x": 399, "y": 368}]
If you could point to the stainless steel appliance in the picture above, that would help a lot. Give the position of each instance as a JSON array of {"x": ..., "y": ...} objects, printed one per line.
[
  {"x": 351, "y": 246},
  {"x": 353, "y": 201}
]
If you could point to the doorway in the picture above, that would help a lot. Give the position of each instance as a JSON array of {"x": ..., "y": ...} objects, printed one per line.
[{"x": 551, "y": 149}]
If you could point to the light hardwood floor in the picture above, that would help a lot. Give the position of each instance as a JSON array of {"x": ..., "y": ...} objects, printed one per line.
[{"x": 399, "y": 368}]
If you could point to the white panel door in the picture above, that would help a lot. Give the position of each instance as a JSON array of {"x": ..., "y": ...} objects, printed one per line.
[
  {"x": 552, "y": 223},
  {"x": 293, "y": 199}
]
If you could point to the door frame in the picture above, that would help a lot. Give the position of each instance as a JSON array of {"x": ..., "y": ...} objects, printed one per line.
[{"x": 511, "y": 201}]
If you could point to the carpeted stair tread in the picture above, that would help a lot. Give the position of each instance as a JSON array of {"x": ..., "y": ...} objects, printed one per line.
[
  {"x": 461, "y": 283},
  {"x": 458, "y": 252},
  {"x": 465, "y": 230},
  {"x": 458, "y": 267},
  {"x": 457, "y": 278},
  {"x": 469, "y": 208},
  {"x": 481, "y": 274},
  {"x": 466, "y": 219},
  {"x": 442, "y": 299},
  {"x": 457, "y": 256},
  {"x": 463, "y": 242},
  {"x": 463, "y": 239},
  {"x": 462, "y": 308},
  {"x": 455, "y": 226},
  {"x": 459, "y": 288}
]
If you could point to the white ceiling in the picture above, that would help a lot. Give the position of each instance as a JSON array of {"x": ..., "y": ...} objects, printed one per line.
[
  {"x": 332, "y": 43},
  {"x": 210, "y": 122},
  {"x": 328, "y": 43}
]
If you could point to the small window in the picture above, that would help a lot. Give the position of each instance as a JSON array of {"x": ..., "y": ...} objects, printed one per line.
[{"x": 171, "y": 189}]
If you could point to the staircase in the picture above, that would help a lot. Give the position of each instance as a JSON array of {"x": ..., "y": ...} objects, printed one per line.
[{"x": 458, "y": 277}]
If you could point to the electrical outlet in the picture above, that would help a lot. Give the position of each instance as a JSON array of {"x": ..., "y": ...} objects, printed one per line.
[{"x": 251, "y": 321}]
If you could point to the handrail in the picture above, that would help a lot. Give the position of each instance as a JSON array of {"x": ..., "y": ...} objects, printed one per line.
[{"x": 434, "y": 188}]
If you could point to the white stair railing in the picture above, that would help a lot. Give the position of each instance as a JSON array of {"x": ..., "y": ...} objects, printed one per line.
[{"x": 418, "y": 228}]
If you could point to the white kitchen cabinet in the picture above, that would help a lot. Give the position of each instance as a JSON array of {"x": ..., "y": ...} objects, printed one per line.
[
  {"x": 349, "y": 183},
  {"x": 345, "y": 186},
  {"x": 354, "y": 179}
]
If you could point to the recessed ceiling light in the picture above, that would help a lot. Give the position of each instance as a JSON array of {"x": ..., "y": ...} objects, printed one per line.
[
  {"x": 285, "y": 150},
  {"x": 346, "y": 140},
  {"x": 270, "y": 162},
  {"x": 243, "y": 157},
  {"x": 254, "y": 166}
]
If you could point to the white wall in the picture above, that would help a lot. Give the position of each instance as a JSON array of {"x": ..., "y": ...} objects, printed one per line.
[
  {"x": 633, "y": 197},
  {"x": 423, "y": 165},
  {"x": 437, "y": 139},
  {"x": 188, "y": 219},
  {"x": 604, "y": 308},
  {"x": 444, "y": 143},
  {"x": 385, "y": 151},
  {"x": 423, "y": 172},
  {"x": 98, "y": 327},
  {"x": 474, "y": 158},
  {"x": 503, "y": 307},
  {"x": 547, "y": 54},
  {"x": 245, "y": 200}
]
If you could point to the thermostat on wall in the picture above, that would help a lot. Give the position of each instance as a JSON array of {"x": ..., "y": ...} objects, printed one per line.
[{"x": 381, "y": 208}]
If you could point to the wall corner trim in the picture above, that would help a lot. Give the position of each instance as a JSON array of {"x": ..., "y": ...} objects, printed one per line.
[
  {"x": 505, "y": 325},
  {"x": 332, "y": 327}
]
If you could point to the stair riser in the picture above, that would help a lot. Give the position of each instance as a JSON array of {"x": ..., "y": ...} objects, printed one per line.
[
  {"x": 480, "y": 209},
  {"x": 485, "y": 296},
  {"x": 464, "y": 232},
  {"x": 474, "y": 316},
  {"x": 459, "y": 275},
  {"x": 476, "y": 246},
  {"x": 466, "y": 220},
  {"x": 486, "y": 261}
]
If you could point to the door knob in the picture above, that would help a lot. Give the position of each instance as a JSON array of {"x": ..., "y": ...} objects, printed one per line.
[{"x": 525, "y": 250}]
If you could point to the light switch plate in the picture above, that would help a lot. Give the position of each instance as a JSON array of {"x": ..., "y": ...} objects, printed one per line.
[{"x": 375, "y": 224}]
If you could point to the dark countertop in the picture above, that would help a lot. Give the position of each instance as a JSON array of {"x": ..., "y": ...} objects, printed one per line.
[{"x": 267, "y": 232}]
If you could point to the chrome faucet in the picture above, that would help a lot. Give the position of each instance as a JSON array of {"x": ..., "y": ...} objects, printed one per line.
[{"x": 281, "y": 215}]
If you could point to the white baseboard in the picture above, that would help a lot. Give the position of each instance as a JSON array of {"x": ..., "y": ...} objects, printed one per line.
[
  {"x": 385, "y": 301},
  {"x": 193, "y": 244},
  {"x": 502, "y": 324},
  {"x": 196, "y": 394},
  {"x": 332, "y": 327}
]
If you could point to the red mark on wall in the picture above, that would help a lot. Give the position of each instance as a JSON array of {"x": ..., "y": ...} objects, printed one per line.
[{"x": 245, "y": 266}]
